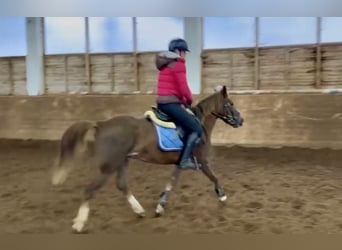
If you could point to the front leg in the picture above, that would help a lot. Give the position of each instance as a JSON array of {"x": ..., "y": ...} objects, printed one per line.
[{"x": 207, "y": 171}]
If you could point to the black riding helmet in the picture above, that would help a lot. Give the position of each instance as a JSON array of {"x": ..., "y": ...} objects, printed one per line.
[{"x": 179, "y": 44}]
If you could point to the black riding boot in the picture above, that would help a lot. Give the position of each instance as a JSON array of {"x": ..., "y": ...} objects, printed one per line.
[{"x": 186, "y": 160}]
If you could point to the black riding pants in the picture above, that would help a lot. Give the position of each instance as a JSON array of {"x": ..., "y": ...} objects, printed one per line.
[{"x": 182, "y": 118}]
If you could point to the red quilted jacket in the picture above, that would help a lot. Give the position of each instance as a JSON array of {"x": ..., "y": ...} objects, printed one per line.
[{"x": 172, "y": 79}]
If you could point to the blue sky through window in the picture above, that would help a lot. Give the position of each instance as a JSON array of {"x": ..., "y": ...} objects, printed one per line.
[
  {"x": 12, "y": 36},
  {"x": 276, "y": 31},
  {"x": 331, "y": 29},
  {"x": 228, "y": 32},
  {"x": 64, "y": 35},
  {"x": 115, "y": 34},
  {"x": 154, "y": 33},
  {"x": 110, "y": 34}
]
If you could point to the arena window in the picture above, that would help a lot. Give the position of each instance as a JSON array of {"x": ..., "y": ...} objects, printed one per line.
[
  {"x": 154, "y": 33},
  {"x": 12, "y": 36},
  {"x": 64, "y": 35},
  {"x": 110, "y": 34},
  {"x": 330, "y": 31},
  {"x": 278, "y": 31},
  {"x": 228, "y": 32}
]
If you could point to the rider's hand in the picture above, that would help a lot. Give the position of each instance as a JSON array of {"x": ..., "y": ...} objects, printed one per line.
[{"x": 187, "y": 106}]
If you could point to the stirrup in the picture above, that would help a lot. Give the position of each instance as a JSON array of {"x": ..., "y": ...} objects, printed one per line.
[{"x": 194, "y": 164}]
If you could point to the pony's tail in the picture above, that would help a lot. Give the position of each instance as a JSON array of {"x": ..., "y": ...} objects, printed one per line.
[{"x": 73, "y": 141}]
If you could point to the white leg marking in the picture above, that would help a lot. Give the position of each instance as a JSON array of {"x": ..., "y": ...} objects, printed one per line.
[
  {"x": 223, "y": 198},
  {"x": 168, "y": 187},
  {"x": 81, "y": 218},
  {"x": 59, "y": 176},
  {"x": 137, "y": 208},
  {"x": 160, "y": 209},
  {"x": 133, "y": 154}
]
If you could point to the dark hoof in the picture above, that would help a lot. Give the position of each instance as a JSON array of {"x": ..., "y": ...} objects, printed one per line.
[
  {"x": 141, "y": 215},
  {"x": 157, "y": 215},
  {"x": 83, "y": 231}
]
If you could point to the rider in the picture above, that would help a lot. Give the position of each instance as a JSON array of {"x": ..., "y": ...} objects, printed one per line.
[{"x": 174, "y": 94}]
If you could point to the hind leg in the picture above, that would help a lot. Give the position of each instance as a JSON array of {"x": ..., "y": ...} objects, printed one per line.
[
  {"x": 121, "y": 183},
  {"x": 165, "y": 195},
  {"x": 104, "y": 160},
  {"x": 81, "y": 219}
]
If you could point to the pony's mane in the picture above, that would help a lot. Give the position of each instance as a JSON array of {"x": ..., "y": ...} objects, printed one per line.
[{"x": 206, "y": 105}]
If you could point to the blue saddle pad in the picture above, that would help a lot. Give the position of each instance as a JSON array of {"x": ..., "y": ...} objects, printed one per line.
[{"x": 168, "y": 139}]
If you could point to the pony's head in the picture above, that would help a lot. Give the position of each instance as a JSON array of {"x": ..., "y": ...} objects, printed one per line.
[{"x": 225, "y": 109}]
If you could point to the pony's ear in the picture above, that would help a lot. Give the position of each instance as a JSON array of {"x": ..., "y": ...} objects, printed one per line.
[
  {"x": 224, "y": 91},
  {"x": 218, "y": 88}
]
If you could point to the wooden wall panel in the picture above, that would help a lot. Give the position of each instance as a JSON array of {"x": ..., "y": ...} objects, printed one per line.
[
  {"x": 124, "y": 73},
  {"x": 112, "y": 72},
  {"x": 331, "y": 66},
  {"x": 147, "y": 72},
  {"x": 272, "y": 72},
  {"x": 243, "y": 69},
  {"x": 101, "y": 68},
  {"x": 216, "y": 69},
  {"x": 233, "y": 68},
  {"x": 285, "y": 68},
  {"x": 19, "y": 76},
  {"x": 5, "y": 76},
  {"x": 278, "y": 68},
  {"x": 76, "y": 71},
  {"x": 56, "y": 78},
  {"x": 13, "y": 76},
  {"x": 292, "y": 67},
  {"x": 301, "y": 67}
]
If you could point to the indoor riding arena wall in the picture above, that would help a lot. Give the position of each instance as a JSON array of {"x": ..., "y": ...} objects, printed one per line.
[{"x": 304, "y": 120}]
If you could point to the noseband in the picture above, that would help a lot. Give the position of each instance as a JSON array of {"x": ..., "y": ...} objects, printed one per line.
[{"x": 226, "y": 118}]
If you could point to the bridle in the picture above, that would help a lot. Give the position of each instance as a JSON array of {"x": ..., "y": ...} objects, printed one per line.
[{"x": 227, "y": 117}]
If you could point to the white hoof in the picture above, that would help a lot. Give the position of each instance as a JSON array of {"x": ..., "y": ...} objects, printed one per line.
[
  {"x": 59, "y": 176},
  {"x": 82, "y": 217},
  {"x": 160, "y": 210},
  {"x": 78, "y": 226},
  {"x": 137, "y": 208},
  {"x": 223, "y": 198}
]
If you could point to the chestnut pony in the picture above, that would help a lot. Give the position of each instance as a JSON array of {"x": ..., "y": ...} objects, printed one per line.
[{"x": 117, "y": 140}]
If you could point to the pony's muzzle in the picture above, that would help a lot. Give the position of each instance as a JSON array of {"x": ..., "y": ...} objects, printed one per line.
[{"x": 239, "y": 122}]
